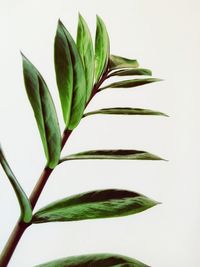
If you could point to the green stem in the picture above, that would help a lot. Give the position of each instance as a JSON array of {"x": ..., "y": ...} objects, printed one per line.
[{"x": 20, "y": 226}]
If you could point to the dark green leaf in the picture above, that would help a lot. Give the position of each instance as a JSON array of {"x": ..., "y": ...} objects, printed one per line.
[
  {"x": 93, "y": 205},
  {"x": 117, "y": 62},
  {"x": 120, "y": 154},
  {"x": 95, "y": 260},
  {"x": 44, "y": 111},
  {"x": 102, "y": 49},
  {"x": 85, "y": 47},
  {"x": 25, "y": 206},
  {"x": 131, "y": 72},
  {"x": 125, "y": 111},
  {"x": 64, "y": 72},
  {"x": 73, "y": 88},
  {"x": 130, "y": 83}
]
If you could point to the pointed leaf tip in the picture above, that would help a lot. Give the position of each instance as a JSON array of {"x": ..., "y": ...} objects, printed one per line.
[
  {"x": 21, "y": 53},
  {"x": 80, "y": 16},
  {"x": 157, "y": 79},
  {"x": 60, "y": 22},
  {"x": 98, "y": 17},
  {"x": 24, "y": 58}
]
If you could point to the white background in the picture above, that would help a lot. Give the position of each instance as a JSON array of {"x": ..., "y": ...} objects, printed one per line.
[{"x": 163, "y": 36}]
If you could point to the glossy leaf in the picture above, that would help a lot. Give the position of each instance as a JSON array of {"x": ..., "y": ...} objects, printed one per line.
[
  {"x": 102, "y": 48},
  {"x": 64, "y": 72},
  {"x": 125, "y": 111},
  {"x": 131, "y": 72},
  {"x": 95, "y": 260},
  {"x": 93, "y": 205},
  {"x": 131, "y": 83},
  {"x": 25, "y": 206},
  {"x": 44, "y": 110},
  {"x": 117, "y": 62},
  {"x": 72, "y": 89},
  {"x": 85, "y": 47},
  {"x": 120, "y": 154}
]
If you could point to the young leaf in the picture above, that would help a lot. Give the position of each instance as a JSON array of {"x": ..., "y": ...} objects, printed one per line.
[
  {"x": 102, "y": 49},
  {"x": 130, "y": 83},
  {"x": 76, "y": 97},
  {"x": 85, "y": 47},
  {"x": 131, "y": 72},
  {"x": 44, "y": 110},
  {"x": 25, "y": 206},
  {"x": 125, "y": 111},
  {"x": 117, "y": 62},
  {"x": 93, "y": 205},
  {"x": 95, "y": 260},
  {"x": 120, "y": 154}
]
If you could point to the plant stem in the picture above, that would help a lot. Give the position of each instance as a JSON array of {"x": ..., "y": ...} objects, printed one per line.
[
  {"x": 45, "y": 175},
  {"x": 20, "y": 226},
  {"x": 12, "y": 242}
]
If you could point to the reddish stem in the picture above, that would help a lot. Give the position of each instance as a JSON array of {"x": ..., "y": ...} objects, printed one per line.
[{"x": 20, "y": 226}]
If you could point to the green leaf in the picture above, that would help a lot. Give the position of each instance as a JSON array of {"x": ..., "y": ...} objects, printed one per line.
[
  {"x": 44, "y": 110},
  {"x": 102, "y": 49},
  {"x": 125, "y": 111},
  {"x": 72, "y": 89},
  {"x": 85, "y": 47},
  {"x": 25, "y": 206},
  {"x": 93, "y": 205},
  {"x": 95, "y": 260},
  {"x": 117, "y": 62},
  {"x": 120, "y": 154},
  {"x": 131, "y": 72},
  {"x": 130, "y": 83},
  {"x": 64, "y": 72}
]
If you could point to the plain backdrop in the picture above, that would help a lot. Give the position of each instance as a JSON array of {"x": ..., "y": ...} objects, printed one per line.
[{"x": 164, "y": 36}]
